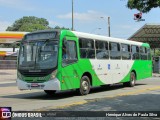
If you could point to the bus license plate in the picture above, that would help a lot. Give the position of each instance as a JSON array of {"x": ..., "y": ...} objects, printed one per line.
[{"x": 34, "y": 85}]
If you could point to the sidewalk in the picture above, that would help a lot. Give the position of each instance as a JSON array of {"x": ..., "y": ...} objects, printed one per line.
[
  {"x": 7, "y": 75},
  {"x": 155, "y": 74}
]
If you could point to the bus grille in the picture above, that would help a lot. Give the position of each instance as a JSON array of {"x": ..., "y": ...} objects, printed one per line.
[{"x": 42, "y": 73}]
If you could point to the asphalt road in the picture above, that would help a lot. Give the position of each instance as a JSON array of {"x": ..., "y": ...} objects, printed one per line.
[{"x": 145, "y": 96}]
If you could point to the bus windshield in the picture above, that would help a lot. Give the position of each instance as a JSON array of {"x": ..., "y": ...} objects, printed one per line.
[{"x": 37, "y": 55}]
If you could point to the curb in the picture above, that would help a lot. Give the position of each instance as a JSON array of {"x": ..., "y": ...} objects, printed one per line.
[{"x": 156, "y": 75}]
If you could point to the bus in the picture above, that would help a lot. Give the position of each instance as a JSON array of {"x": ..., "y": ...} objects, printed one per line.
[{"x": 56, "y": 60}]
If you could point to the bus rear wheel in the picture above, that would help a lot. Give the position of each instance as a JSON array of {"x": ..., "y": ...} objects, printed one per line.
[
  {"x": 85, "y": 86},
  {"x": 132, "y": 81},
  {"x": 50, "y": 92}
]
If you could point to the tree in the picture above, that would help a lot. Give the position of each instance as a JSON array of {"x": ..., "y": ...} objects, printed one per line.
[
  {"x": 143, "y": 5},
  {"x": 57, "y": 27},
  {"x": 157, "y": 52},
  {"x": 29, "y": 24}
]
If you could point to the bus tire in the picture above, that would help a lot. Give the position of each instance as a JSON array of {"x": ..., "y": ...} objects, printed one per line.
[
  {"x": 132, "y": 81},
  {"x": 50, "y": 92},
  {"x": 85, "y": 85}
]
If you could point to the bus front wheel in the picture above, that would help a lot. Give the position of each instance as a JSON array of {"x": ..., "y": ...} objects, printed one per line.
[
  {"x": 132, "y": 81},
  {"x": 50, "y": 92},
  {"x": 85, "y": 85}
]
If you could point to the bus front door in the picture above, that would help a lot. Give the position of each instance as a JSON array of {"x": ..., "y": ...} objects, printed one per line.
[{"x": 70, "y": 77}]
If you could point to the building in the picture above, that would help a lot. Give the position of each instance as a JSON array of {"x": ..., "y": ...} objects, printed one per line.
[
  {"x": 9, "y": 42},
  {"x": 149, "y": 33}
]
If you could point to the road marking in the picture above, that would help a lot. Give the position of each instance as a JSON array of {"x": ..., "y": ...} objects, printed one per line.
[
  {"x": 63, "y": 106},
  {"x": 96, "y": 99},
  {"x": 7, "y": 82},
  {"x": 72, "y": 104}
]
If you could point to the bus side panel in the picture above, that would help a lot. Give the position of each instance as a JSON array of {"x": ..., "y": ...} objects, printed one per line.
[
  {"x": 112, "y": 71},
  {"x": 72, "y": 74},
  {"x": 143, "y": 70},
  {"x": 85, "y": 66}
]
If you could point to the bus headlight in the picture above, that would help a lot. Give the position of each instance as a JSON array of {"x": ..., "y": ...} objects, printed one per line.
[{"x": 53, "y": 74}]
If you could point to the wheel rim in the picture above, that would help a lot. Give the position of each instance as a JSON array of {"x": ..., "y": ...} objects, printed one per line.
[
  {"x": 132, "y": 79},
  {"x": 85, "y": 86}
]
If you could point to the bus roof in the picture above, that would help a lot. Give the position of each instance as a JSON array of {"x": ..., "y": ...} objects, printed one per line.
[
  {"x": 105, "y": 38},
  {"x": 93, "y": 36}
]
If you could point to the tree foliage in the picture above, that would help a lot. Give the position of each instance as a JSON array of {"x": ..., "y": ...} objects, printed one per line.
[
  {"x": 157, "y": 52},
  {"x": 58, "y": 27},
  {"x": 29, "y": 24},
  {"x": 143, "y": 5}
]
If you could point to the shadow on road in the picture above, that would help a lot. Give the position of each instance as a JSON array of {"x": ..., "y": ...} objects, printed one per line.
[{"x": 65, "y": 94}]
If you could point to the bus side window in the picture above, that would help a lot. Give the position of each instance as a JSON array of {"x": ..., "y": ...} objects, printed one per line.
[
  {"x": 143, "y": 53},
  {"x": 69, "y": 52},
  {"x": 102, "y": 49},
  {"x": 115, "y": 50},
  {"x": 135, "y": 52},
  {"x": 64, "y": 52},
  {"x": 125, "y": 50},
  {"x": 148, "y": 53},
  {"x": 86, "y": 48}
]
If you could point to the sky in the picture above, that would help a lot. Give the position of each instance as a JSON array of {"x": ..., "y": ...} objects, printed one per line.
[{"x": 87, "y": 15}]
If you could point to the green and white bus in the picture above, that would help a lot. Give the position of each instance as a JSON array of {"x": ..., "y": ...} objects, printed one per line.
[{"x": 55, "y": 60}]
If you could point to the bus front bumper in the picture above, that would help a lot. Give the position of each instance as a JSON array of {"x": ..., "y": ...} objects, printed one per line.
[{"x": 48, "y": 85}]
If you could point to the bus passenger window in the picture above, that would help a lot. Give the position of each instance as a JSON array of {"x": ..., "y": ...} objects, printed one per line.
[
  {"x": 135, "y": 52},
  {"x": 125, "y": 50},
  {"x": 148, "y": 53},
  {"x": 102, "y": 50},
  {"x": 114, "y": 50},
  {"x": 143, "y": 53},
  {"x": 86, "y": 48}
]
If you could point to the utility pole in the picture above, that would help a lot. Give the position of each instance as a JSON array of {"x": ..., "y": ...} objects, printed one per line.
[
  {"x": 109, "y": 31},
  {"x": 108, "y": 24},
  {"x": 72, "y": 17}
]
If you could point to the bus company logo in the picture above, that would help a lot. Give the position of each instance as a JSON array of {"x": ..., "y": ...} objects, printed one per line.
[
  {"x": 109, "y": 66},
  {"x": 5, "y": 113}
]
